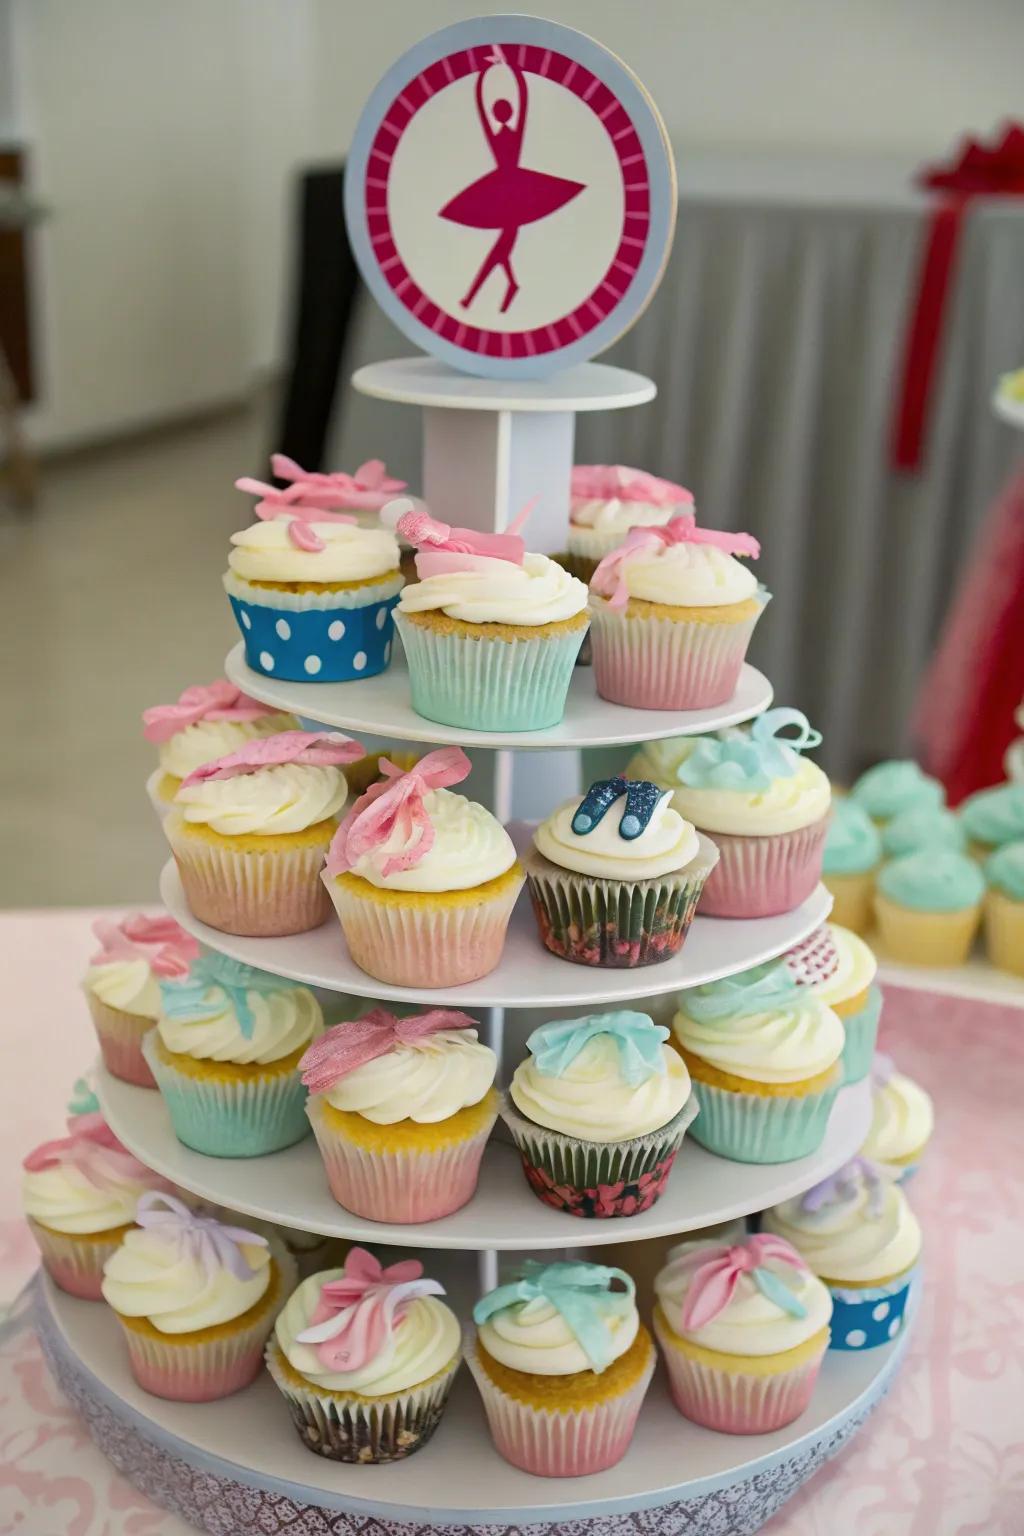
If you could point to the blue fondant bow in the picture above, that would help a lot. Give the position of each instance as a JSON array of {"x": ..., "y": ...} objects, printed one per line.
[
  {"x": 753, "y": 761},
  {"x": 758, "y": 990},
  {"x": 580, "y": 1293},
  {"x": 189, "y": 1000},
  {"x": 556, "y": 1045},
  {"x": 83, "y": 1100}
]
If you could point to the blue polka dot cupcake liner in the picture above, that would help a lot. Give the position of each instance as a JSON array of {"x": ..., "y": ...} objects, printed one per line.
[
  {"x": 242, "y": 1116},
  {"x": 861, "y": 1034},
  {"x": 308, "y": 637},
  {"x": 868, "y": 1316}
]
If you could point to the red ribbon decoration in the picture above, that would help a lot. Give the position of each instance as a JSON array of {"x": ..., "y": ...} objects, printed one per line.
[{"x": 978, "y": 171}]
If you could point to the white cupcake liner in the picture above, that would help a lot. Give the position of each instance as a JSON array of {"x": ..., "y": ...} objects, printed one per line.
[
  {"x": 311, "y": 602},
  {"x": 763, "y": 876},
  {"x": 357, "y": 1429},
  {"x": 259, "y": 895},
  {"x": 74, "y": 1262},
  {"x": 423, "y": 946},
  {"x": 559, "y": 1443},
  {"x": 120, "y": 1035},
  {"x": 649, "y": 662}
]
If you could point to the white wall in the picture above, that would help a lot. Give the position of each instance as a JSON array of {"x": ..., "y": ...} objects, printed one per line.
[{"x": 164, "y": 135}]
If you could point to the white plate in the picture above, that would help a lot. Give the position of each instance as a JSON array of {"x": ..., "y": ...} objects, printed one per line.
[{"x": 290, "y": 1187}]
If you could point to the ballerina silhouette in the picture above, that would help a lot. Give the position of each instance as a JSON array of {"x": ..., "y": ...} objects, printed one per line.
[{"x": 509, "y": 196}]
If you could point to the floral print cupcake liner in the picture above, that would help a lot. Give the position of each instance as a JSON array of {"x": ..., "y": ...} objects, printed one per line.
[
  {"x": 316, "y": 637},
  {"x": 762, "y": 1128}
]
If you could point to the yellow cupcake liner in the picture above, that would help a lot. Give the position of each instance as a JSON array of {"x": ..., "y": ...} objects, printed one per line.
[
  {"x": 851, "y": 900},
  {"x": 1004, "y": 932},
  {"x": 256, "y": 894},
  {"x": 926, "y": 938}
]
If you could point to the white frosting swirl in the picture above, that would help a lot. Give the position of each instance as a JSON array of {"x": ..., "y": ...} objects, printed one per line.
[
  {"x": 750, "y": 1324},
  {"x": 152, "y": 1276},
  {"x": 592, "y": 1100},
  {"x": 688, "y": 576},
  {"x": 666, "y": 844},
  {"x": 657, "y": 761},
  {"x": 785, "y": 806},
  {"x": 534, "y": 1337},
  {"x": 126, "y": 984},
  {"x": 901, "y": 1122},
  {"x": 499, "y": 592},
  {"x": 784, "y": 1045},
  {"x": 206, "y": 740},
  {"x": 845, "y": 1240},
  {"x": 423, "y": 1080},
  {"x": 265, "y": 552},
  {"x": 425, "y": 1339},
  {"x": 286, "y": 798},
  {"x": 855, "y": 971},
  {"x": 597, "y": 527},
  {"x": 282, "y": 1022},
  {"x": 62, "y": 1198},
  {"x": 470, "y": 847}
]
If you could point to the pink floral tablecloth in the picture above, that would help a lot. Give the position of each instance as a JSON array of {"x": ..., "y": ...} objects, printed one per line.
[{"x": 942, "y": 1456}]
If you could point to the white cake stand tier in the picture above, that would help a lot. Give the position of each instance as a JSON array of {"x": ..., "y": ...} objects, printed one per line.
[
  {"x": 237, "y": 1466},
  {"x": 290, "y": 1187}
]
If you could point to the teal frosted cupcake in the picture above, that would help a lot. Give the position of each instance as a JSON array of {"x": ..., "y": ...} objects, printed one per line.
[
  {"x": 928, "y": 906},
  {"x": 491, "y": 633},
  {"x": 888, "y": 789},
  {"x": 764, "y": 1055},
  {"x": 1004, "y": 908},
  {"x": 926, "y": 827},
  {"x": 853, "y": 852},
  {"x": 994, "y": 817},
  {"x": 225, "y": 1054},
  {"x": 851, "y": 991}
]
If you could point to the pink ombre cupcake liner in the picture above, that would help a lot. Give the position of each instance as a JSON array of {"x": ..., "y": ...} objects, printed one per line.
[
  {"x": 73, "y": 1263},
  {"x": 256, "y": 895},
  {"x": 569, "y": 1443},
  {"x": 656, "y": 663},
  {"x": 762, "y": 876},
  {"x": 402, "y": 1187},
  {"x": 735, "y": 1402},
  {"x": 423, "y": 946},
  {"x": 121, "y": 1035}
]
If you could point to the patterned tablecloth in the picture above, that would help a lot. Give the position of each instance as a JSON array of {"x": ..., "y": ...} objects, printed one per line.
[{"x": 942, "y": 1456}]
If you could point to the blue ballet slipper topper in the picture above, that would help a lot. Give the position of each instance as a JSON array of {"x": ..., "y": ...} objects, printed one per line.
[
  {"x": 189, "y": 999},
  {"x": 753, "y": 761},
  {"x": 555, "y": 1046},
  {"x": 758, "y": 990},
  {"x": 580, "y": 1293},
  {"x": 83, "y": 1100},
  {"x": 642, "y": 800}
]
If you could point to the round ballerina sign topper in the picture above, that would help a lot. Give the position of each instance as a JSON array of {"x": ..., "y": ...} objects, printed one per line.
[{"x": 510, "y": 196}]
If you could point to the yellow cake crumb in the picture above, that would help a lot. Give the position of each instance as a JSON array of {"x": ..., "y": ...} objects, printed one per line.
[
  {"x": 749, "y": 1365},
  {"x": 317, "y": 836},
  {"x": 326, "y": 587},
  {"x": 269, "y": 1302},
  {"x": 410, "y": 1135},
  {"x": 584, "y": 1389},
  {"x": 475, "y": 895},
  {"x": 444, "y": 624},
  {"x": 224, "y": 1071},
  {"x": 725, "y": 613},
  {"x": 703, "y": 1072},
  {"x": 107, "y": 1235}
]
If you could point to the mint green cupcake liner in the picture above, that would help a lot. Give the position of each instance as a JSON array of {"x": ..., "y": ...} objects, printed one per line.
[
  {"x": 489, "y": 684},
  {"x": 246, "y": 1117},
  {"x": 861, "y": 1033},
  {"x": 759, "y": 1128}
]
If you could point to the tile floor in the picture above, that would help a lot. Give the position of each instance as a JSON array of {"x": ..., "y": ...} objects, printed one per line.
[{"x": 110, "y": 600}]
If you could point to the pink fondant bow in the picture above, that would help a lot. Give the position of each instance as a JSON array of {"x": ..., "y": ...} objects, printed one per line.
[
  {"x": 617, "y": 482},
  {"x": 395, "y": 808},
  {"x": 166, "y": 948},
  {"x": 356, "y": 1313},
  {"x": 92, "y": 1148},
  {"x": 319, "y": 749},
  {"x": 348, "y": 1046},
  {"x": 365, "y": 491},
  {"x": 609, "y": 580},
  {"x": 718, "y": 1273},
  {"x": 219, "y": 700},
  {"x": 300, "y": 506},
  {"x": 444, "y": 548}
]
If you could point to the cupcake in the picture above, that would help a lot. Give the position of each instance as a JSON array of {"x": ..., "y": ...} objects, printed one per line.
[
  {"x": 744, "y": 1329},
  {"x": 767, "y": 809},
  {"x": 888, "y": 789},
  {"x": 606, "y": 501},
  {"x": 1004, "y": 908},
  {"x": 850, "y": 990},
  {"x": 365, "y": 1358},
  {"x": 195, "y": 1299},
  {"x": 902, "y": 1120},
  {"x": 312, "y": 592},
  {"x": 672, "y": 612},
  {"x": 207, "y": 722},
  {"x": 620, "y": 889},
  {"x": 853, "y": 852},
  {"x": 993, "y": 817},
  {"x": 563, "y": 1363},
  {"x": 79, "y": 1195},
  {"x": 598, "y": 1111},
  {"x": 764, "y": 1055},
  {"x": 928, "y": 826},
  {"x": 225, "y": 1054},
  {"x": 423, "y": 881},
  {"x": 249, "y": 832},
  {"x": 401, "y": 1110},
  {"x": 491, "y": 633},
  {"x": 859, "y": 1235},
  {"x": 122, "y": 986},
  {"x": 928, "y": 907}
]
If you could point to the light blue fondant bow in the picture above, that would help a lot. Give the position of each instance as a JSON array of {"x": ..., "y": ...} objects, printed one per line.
[
  {"x": 580, "y": 1293},
  {"x": 758, "y": 990},
  {"x": 749, "y": 762},
  {"x": 556, "y": 1045},
  {"x": 83, "y": 1100},
  {"x": 189, "y": 998}
]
